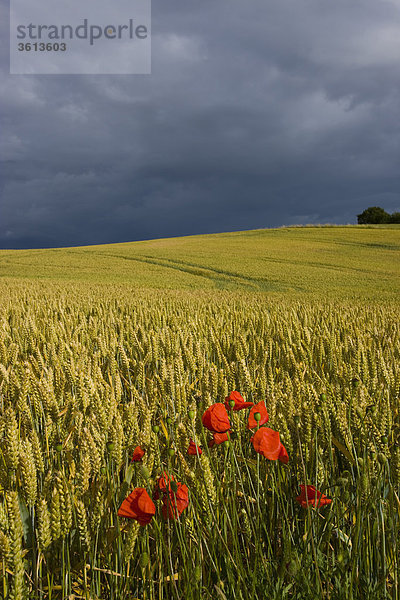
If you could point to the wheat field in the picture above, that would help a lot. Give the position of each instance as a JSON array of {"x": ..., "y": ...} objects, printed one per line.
[
  {"x": 339, "y": 262},
  {"x": 93, "y": 366}
]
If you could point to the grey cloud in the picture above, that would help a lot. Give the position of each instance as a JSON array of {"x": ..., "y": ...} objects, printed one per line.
[{"x": 257, "y": 114}]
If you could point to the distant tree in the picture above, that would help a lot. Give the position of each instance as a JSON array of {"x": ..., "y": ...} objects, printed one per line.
[
  {"x": 373, "y": 214},
  {"x": 395, "y": 217}
]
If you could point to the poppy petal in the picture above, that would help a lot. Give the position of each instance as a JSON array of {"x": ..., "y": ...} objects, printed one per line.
[
  {"x": 193, "y": 449},
  {"x": 216, "y": 419},
  {"x": 125, "y": 510},
  {"x": 283, "y": 455},
  {"x": 219, "y": 438},
  {"x": 139, "y": 506},
  {"x": 240, "y": 403},
  {"x": 267, "y": 442},
  {"x": 310, "y": 496},
  {"x": 138, "y": 454},
  {"x": 175, "y": 503},
  {"x": 258, "y": 408}
]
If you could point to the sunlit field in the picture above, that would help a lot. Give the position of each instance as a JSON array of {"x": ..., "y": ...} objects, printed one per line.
[
  {"x": 128, "y": 467},
  {"x": 340, "y": 262}
]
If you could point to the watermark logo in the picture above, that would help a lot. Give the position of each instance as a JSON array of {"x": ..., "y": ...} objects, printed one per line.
[{"x": 92, "y": 37}]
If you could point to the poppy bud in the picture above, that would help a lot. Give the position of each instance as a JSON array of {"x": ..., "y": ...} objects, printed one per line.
[
  {"x": 340, "y": 558},
  {"x": 58, "y": 446},
  {"x": 171, "y": 452},
  {"x": 144, "y": 560},
  {"x": 360, "y": 462},
  {"x": 384, "y": 439},
  {"x": 322, "y": 397},
  {"x": 191, "y": 414},
  {"x": 110, "y": 446},
  {"x": 345, "y": 496},
  {"x": 382, "y": 458},
  {"x": 342, "y": 481},
  {"x": 156, "y": 429},
  {"x": 169, "y": 420},
  {"x": 174, "y": 486},
  {"x": 296, "y": 419},
  {"x": 355, "y": 382},
  {"x": 145, "y": 472},
  {"x": 257, "y": 416},
  {"x": 232, "y": 403},
  {"x": 292, "y": 567},
  {"x": 103, "y": 470},
  {"x": 226, "y": 443}
]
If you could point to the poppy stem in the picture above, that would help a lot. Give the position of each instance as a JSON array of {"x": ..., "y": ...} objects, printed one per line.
[
  {"x": 168, "y": 553},
  {"x": 257, "y": 538},
  {"x": 309, "y": 519}
]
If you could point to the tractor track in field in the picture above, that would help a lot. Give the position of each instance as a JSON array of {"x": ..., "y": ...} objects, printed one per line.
[{"x": 255, "y": 283}]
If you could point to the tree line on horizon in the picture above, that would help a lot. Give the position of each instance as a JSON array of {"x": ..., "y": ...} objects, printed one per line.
[{"x": 377, "y": 215}]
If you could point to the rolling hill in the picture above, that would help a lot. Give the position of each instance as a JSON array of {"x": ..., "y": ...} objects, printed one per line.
[{"x": 332, "y": 261}]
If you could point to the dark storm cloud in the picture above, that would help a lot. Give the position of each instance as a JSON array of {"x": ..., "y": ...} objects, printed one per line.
[{"x": 257, "y": 113}]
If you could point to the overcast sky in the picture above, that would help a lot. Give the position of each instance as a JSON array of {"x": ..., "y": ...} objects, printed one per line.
[{"x": 257, "y": 113}]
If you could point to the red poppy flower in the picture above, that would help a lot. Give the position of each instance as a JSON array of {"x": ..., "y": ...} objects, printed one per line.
[
  {"x": 175, "y": 503},
  {"x": 138, "y": 454},
  {"x": 240, "y": 404},
  {"x": 283, "y": 455},
  {"x": 216, "y": 418},
  {"x": 139, "y": 506},
  {"x": 258, "y": 408},
  {"x": 163, "y": 485},
  {"x": 193, "y": 449},
  {"x": 219, "y": 438},
  {"x": 309, "y": 495},
  {"x": 267, "y": 442}
]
